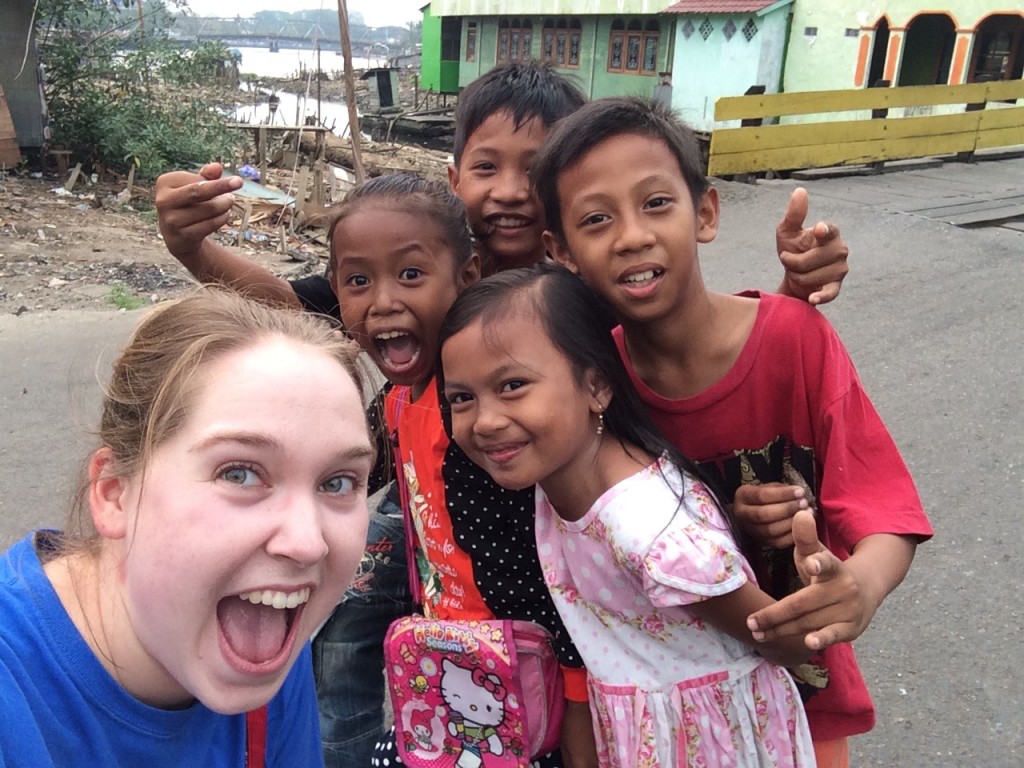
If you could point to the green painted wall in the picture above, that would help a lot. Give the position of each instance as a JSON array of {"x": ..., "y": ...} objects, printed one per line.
[
  {"x": 592, "y": 74},
  {"x": 430, "y": 59},
  {"x": 705, "y": 70},
  {"x": 607, "y": 83},
  {"x": 828, "y": 60},
  {"x": 546, "y": 7}
]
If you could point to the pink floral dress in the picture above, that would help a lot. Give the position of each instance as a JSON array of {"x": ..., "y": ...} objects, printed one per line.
[{"x": 666, "y": 689}]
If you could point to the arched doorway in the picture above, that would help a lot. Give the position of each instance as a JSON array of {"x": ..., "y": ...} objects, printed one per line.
[
  {"x": 927, "y": 50},
  {"x": 998, "y": 49},
  {"x": 879, "y": 48}
]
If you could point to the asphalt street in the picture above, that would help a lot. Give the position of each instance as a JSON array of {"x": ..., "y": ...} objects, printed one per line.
[{"x": 932, "y": 315}]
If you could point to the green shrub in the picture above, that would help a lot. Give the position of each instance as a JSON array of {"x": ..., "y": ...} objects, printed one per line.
[
  {"x": 122, "y": 298},
  {"x": 119, "y": 96}
]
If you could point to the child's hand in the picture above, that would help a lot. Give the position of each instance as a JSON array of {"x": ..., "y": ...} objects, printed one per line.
[
  {"x": 832, "y": 608},
  {"x": 814, "y": 257},
  {"x": 765, "y": 512},
  {"x": 191, "y": 206},
  {"x": 579, "y": 750}
]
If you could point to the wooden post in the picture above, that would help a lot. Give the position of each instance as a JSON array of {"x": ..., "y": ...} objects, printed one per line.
[
  {"x": 300, "y": 191},
  {"x": 261, "y": 150},
  {"x": 131, "y": 182},
  {"x": 73, "y": 178},
  {"x": 246, "y": 213},
  {"x": 318, "y": 184},
  {"x": 754, "y": 90},
  {"x": 350, "y": 91},
  {"x": 968, "y": 157},
  {"x": 879, "y": 114}
]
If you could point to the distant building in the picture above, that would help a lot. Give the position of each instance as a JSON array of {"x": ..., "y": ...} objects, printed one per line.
[
  {"x": 906, "y": 42},
  {"x": 686, "y": 54},
  {"x": 690, "y": 53}
]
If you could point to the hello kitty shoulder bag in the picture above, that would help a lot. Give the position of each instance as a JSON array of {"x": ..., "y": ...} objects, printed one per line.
[{"x": 469, "y": 694}]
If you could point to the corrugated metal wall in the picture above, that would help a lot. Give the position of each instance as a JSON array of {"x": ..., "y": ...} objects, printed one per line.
[{"x": 23, "y": 92}]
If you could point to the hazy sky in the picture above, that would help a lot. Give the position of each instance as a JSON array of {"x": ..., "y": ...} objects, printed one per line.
[{"x": 375, "y": 12}]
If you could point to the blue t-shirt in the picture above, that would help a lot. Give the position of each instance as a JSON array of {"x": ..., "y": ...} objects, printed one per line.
[{"x": 60, "y": 707}]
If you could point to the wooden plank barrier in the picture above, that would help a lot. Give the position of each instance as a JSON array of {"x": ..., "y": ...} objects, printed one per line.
[{"x": 818, "y": 144}]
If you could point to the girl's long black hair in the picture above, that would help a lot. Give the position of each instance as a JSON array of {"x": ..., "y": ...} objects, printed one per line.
[{"x": 579, "y": 323}]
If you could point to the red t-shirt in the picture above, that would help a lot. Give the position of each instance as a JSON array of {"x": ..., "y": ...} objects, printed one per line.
[{"x": 792, "y": 410}]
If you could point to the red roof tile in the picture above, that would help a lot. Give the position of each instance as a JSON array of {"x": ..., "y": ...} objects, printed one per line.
[{"x": 718, "y": 6}]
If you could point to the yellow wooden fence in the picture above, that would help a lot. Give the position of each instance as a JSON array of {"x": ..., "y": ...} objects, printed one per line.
[{"x": 981, "y": 125}]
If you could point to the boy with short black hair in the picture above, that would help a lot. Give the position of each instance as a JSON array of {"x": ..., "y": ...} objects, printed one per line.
[
  {"x": 500, "y": 121},
  {"x": 756, "y": 387}
]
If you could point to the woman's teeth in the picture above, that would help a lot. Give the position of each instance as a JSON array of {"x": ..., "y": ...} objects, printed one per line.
[{"x": 277, "y": 599}]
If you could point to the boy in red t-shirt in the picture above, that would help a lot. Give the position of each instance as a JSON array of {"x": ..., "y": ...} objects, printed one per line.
[{"x": 757, "y": 388}]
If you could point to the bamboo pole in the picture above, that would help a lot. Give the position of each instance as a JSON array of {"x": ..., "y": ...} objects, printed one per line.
[{"x": 350, "y": 91}]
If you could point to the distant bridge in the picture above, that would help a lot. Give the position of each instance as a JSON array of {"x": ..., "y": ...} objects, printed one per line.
[{"x": 289, "y": 34}]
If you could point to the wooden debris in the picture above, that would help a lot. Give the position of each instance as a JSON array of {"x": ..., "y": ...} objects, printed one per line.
[
  {"x": 73, "y": 178},
  {"x": 380, "y": 159},
  {"x": 245, "y": 221}
]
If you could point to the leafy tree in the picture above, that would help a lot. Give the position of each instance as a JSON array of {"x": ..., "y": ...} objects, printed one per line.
[
  {"x": 415, "y": 35},
  {"x": 108, "y": 69},
  {"x": 273, "y": 17}
]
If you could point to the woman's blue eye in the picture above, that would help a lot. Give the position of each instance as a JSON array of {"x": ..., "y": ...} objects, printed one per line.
[
  {"x": 411, "y": 273},
  {"x": 339, "y": 484},
  {"x": 240, "y": 475}
]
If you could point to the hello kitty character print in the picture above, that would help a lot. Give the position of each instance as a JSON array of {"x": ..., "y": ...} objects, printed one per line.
[
  {"x": 453, "y": 691},
  {"x": 476, "y": 708}
]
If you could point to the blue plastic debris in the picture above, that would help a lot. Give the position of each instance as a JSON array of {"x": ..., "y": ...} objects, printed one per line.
[{"x": 248, "y": 172}]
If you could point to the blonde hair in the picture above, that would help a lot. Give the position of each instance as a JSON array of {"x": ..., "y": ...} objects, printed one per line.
[{"x": 151, "y": 387}]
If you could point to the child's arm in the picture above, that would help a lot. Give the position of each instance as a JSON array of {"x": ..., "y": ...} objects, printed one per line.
[
  {"x": 579, "y": 748},
  {"x": 192, "y": 206},
  {"x": 730, "y": 613},
  {"x": 814, "y": 257},
  {"x": 841, "y": 597}
]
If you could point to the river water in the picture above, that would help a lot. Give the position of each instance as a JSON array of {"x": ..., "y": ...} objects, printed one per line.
[
  {"x": 288, "y": 61},
  {"x": 294, "y": 109}
]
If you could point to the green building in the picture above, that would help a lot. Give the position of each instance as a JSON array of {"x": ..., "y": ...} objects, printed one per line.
[
  {"x": 687, "y": 53},
  {"x": 440, "y": 52},
  {"x": 690, "y": 53}
]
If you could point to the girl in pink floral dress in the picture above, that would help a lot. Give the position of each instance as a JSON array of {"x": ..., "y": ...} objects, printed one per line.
[{"x": 639, "y": 558}]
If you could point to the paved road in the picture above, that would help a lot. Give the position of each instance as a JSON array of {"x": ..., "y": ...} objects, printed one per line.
[
  {"x": 932, "y": 315},
  {"x": 986, "y": 193}
]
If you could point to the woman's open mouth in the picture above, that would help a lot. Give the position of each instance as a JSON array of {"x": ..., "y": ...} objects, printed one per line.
[{"x": 258, "y": 629}]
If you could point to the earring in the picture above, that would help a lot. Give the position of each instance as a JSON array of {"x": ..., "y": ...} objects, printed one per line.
[{"x": 600, "y": 423}]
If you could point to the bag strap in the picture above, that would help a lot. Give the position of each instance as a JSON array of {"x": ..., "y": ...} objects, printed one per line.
[
  {"x": 256, "y": 738},
  {"x": 401, "y": 395}
]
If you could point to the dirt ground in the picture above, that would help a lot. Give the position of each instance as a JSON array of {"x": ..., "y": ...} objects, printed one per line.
[{"x": 88, "y": 250}]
